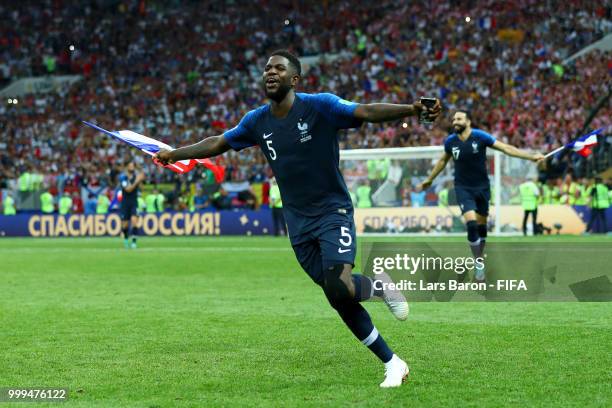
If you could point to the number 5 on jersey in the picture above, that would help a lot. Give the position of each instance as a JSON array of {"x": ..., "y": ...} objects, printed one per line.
[
  {"x": 346, "y": 239},
  {"x": 269, "y": 144}
]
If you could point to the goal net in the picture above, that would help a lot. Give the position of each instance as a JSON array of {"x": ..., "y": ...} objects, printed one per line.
[{"x": 384, "y": 186}]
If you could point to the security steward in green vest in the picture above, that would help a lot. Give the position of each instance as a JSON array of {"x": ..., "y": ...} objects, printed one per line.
[
  {"x": 46, "y": 203},
  {"x": 529, "y": 193},
  {"x": 154, "y": 202},
  {"x": 103, "y": 204},
  {"x": 276, "y": 204},
  {"x": 599, "y": 201},
  {"x": 583, "y": 192},
  {"x": 9, "y": 206},
  {"x": 65, "y": 204},
  {"x": 443, "y": 197},
  {"x": 364, "y": 193}
]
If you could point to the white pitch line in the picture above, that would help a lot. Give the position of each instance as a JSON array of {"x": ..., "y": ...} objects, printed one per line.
[{"x": 156, "y": 249}]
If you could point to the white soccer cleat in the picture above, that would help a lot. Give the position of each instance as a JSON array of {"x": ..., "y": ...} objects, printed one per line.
[
  {"x": 394, "y": 299},
  {"x": 396, "y": 372},
  {"x": 479, "y": 274}
]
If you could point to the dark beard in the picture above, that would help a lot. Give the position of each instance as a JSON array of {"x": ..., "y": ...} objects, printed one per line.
[
  {"x": 280, "y": 93},
  {"x": 458, "y": 128}
]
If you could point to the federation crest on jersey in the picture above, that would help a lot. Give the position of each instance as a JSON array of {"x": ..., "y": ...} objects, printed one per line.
[
  {"x": 474, "y": 147},
  {"x": 455, "y": 151},
  {"x": 303, "y": 129}
]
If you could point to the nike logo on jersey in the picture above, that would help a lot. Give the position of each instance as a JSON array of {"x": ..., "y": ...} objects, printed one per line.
[
  {"x": 268, "y": 135},
  {"x": 341, "y": 251}
]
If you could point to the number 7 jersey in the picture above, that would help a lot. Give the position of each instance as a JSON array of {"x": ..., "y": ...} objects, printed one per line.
[{"x": 470, "y": 158}]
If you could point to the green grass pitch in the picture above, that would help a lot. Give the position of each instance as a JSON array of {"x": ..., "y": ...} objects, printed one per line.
[{"x": 229, "y": 321}]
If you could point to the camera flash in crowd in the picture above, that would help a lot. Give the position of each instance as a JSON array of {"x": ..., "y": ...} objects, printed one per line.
[
  {"x": 10, "y": 101},
  {"x": 71, "y": 48},
  {"x": 467, "y": 19},
  {"x": 404, "y": 125},
  {"x": 15, "y": 101},
  {"x": 287, "y": 22}
]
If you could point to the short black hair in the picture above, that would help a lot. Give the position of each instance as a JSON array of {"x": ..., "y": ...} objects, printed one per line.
[
  {"x": 293, "y": 59},
  {"x": 468, "y": 113}
]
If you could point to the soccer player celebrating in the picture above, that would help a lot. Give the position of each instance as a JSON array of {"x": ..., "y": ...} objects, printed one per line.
[
  {"x": 298, "y": 134},
  {"x": 467, "y": 146},
  {"x": 130, "y": 181}
]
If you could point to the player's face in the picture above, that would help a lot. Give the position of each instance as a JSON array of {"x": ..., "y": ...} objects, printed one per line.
[
  {"x": 278, "y": 78},
  {"x": 460, "y": 122},
  {"x": 130, "y": 167}
]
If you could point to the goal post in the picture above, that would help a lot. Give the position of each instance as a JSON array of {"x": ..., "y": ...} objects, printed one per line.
[{"x": 397, "y": 208}]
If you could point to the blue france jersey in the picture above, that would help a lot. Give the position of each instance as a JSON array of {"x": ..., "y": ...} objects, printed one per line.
[
  {"x": 126, "y": 180},
  {"x": 470, "y": 157},
  {"x": 303, "y": 151}
]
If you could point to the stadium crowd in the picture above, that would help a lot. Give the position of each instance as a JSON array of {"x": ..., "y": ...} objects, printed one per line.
[{"x": 180, "y": 71}]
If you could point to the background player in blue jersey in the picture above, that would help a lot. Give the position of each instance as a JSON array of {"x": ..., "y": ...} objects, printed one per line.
[
  {"x": 130, "y": 180},
  {"x": 298, "y": 134},
  {"x": 467, "y": 146}
]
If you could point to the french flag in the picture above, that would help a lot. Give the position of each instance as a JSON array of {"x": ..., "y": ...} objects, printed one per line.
[
  {"x": 583, "y": 144},
  {"x": 151, "y": 146},
  {"x": 390, "y": 61}
]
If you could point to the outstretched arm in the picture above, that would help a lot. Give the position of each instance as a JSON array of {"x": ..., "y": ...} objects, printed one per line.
[
  {"x": 209, "y": 147},
  {"x": 139, "y": 179},
  {"x": 515, "y": 152},
  {"x": 384, "y": 112},
  {"x": 440, "y": 165}
]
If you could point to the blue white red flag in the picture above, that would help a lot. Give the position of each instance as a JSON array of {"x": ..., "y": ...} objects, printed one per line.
[
  {"x": 151, "y": 146},
  {"x": 583, "y": 144}
]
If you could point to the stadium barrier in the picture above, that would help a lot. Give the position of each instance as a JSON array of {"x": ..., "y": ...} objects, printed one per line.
[
  {"x": 418, "y": 220},
  {"x": 245, "y": 222},
  {"x": 572, "y": 220}
]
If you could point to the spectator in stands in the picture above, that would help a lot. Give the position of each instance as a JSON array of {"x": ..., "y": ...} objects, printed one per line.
[
  {"x": 247, "y": 199},
  {"x": 201, "y": 200},
  {"x": 511, "y": 78},
  {"x": 417, "y": 197},
  {"x": 91, "y": 204},
  {"x": 77, "y": 204},
  {"x": 222, "y": 200}
]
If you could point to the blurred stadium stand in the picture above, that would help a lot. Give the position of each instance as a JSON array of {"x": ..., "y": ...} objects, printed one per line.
[{"x": 184, "y": 70}]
